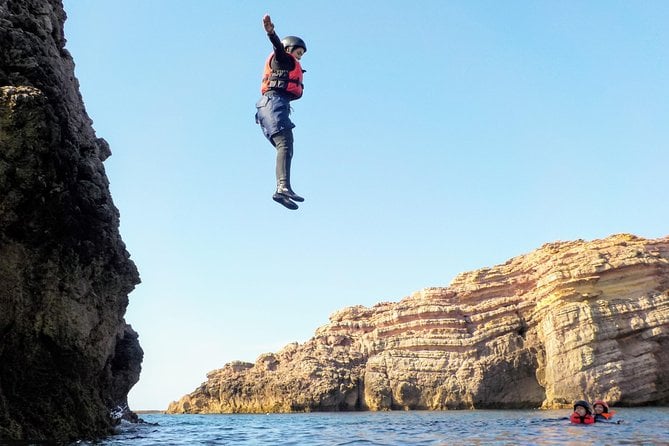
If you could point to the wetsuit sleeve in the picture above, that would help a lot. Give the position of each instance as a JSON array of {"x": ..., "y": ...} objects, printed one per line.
[
  {"x": 604, "y": 420},
  {"x": 281, "y": 58}
]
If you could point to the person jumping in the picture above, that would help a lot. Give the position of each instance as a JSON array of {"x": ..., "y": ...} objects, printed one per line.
[{"x": 281, "y": 84}]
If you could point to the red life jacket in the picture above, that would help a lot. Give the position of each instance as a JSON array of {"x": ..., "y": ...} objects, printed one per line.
[
  {"x": 606, "y": 415},
  {"x": 283, "y": 80},
  {"x": 577, "y": 419}
]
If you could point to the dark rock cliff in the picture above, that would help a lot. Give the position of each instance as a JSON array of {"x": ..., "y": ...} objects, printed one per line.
[{"x": 67, "y": 356}]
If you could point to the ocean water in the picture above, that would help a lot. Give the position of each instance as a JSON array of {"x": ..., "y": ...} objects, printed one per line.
[{"x": 641, "y": 426}]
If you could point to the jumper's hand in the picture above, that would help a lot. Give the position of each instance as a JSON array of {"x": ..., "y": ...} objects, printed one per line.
[{"x": 267, "y": 23}]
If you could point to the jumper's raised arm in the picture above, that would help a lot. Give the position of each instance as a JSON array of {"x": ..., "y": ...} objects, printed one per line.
[{"x": 267, "y": 23}]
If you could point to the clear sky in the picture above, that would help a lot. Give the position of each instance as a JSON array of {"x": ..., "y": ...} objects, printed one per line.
[{"x": 434, "y": 137}]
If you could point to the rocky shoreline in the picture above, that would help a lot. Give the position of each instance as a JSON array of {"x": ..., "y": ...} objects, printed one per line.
[{"x": 571, "y": 320}]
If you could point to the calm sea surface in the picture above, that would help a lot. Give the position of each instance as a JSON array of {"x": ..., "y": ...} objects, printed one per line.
[{"x": 646, "y": 426}]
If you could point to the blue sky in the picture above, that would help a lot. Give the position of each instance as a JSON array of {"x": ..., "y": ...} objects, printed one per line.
[{"x": 434, "y": 137}]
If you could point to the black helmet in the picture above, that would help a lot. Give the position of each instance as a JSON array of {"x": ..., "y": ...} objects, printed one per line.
[
  {"x": 583, "y": 404},
  {"x": 290, "y": 41}
]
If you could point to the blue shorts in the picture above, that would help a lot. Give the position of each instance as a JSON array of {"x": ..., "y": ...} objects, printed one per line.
[{"x": 272, "y": 113}]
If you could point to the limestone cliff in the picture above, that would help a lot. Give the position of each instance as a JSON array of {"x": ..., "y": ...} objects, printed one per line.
[
  {"x": 570, "y": 320},
  {"x": 67, "y": 356}
]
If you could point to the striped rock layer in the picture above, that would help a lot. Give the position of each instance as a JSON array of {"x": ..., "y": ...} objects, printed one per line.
[{"x": 571, "y": 320}]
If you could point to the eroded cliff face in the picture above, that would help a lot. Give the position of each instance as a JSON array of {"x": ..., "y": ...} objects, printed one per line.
[
  {"x": 572, "y": 320},
  {"x": 67, "y": 356}
]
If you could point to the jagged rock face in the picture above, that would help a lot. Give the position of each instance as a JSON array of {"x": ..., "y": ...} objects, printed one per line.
[
  {"x": 67, "y": 356},
  {"x": 572, "y": 320}
]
